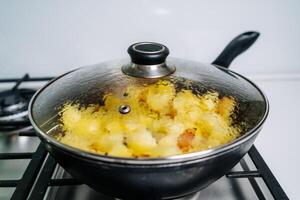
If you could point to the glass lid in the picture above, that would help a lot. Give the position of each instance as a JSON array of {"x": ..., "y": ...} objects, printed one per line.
[{"x": 141, "y": 107}]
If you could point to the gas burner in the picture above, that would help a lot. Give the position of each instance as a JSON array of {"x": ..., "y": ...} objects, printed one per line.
[
  {"x": 14, "y": 108},
  {"x": 14, "y": 104}
]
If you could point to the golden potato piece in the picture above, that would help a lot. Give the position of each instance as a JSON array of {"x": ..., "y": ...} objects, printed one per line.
[
  {"x": 120, "y": 150},
  {"x": 185, "y": 140},
  {"x": 141, "y": 142},
  {"x": 160, "y": 96},
  {"x": 209, "y": 101},
  {"x": 226, "y": 106},
  {"x": 107, "y": 141}
]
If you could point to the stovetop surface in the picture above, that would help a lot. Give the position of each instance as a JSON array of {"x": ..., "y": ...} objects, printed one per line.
[
  {"x": 28, "y": 172},
  {"x": 225, "y": 188}
]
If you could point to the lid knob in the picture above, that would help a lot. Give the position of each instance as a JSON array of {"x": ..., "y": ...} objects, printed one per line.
[
  {"x": 148, "y": 60},
  {"x": 148, "y": 53}
]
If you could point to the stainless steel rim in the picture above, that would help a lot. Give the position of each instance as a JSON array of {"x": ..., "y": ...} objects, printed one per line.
[{"x": 182, "y": 158}]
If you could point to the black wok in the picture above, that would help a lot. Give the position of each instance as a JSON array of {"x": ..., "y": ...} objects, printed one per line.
[{"x": 152, "y": 178}]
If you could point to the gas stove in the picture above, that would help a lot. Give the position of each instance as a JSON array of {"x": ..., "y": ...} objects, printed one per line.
[{"x": 27, "y": 171}]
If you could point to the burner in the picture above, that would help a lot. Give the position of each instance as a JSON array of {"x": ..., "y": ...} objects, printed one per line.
[
  {"x": 13, "y": 107},
  {"x": 14, "y": 103}
]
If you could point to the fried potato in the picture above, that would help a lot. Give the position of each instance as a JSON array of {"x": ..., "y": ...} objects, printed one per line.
[{"x": 162, "y": 122}]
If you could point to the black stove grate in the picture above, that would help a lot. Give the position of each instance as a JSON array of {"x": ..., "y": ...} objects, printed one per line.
[{"x": 37, "y": 177}]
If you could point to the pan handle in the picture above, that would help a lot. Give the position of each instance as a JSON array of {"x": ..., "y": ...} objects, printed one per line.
[{"x": 237, "y": 46}]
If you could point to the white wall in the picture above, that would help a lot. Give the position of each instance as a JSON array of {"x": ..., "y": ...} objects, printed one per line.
[{"x": 50, "y": 37}]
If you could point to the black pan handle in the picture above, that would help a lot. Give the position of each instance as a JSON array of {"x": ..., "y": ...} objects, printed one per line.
[{"x": 237, "y": 46}]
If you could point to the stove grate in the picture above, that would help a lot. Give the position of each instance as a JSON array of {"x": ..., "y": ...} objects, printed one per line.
[{"x": 37, "y": 177}]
